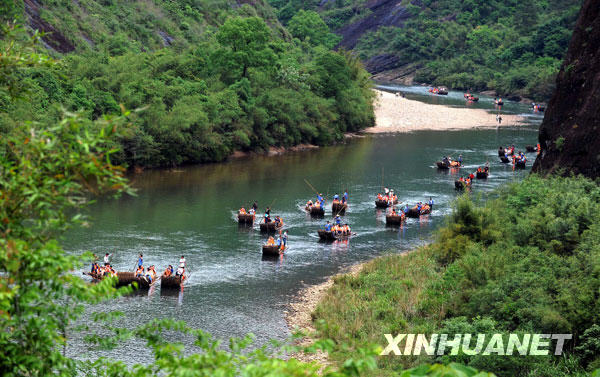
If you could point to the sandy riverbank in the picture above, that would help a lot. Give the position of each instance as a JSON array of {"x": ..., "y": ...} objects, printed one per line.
[
  {"x": 299, "y": 313},
  {"x": 396, "y": 114}
]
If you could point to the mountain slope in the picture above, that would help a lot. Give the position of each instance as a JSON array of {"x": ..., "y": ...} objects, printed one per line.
[
  {"x": 204, "y": 78},
  {"x": 569, "y": 134},
  {"x": 514, "y": 47}
]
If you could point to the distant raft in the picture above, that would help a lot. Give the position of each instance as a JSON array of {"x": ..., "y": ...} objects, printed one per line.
[
  {"x": 461, "y": 185},
  {"x": 448, "y": 165},
  {"x": 128, "y": 278},
  {"x": 415, "y": 213},
  {"x": 339, "y": 208},
  {"x": 270, "y": 227},
  {"x": 316, "y": 211},
  {"x": 394, "y": 219},
  {"x": 381, "y": 203},
  {"x": 482, "y": 174},
  {"x": 246, "y": 218},
  {"x": 520, "y": 164},
  {"x": 171, "y": 282},
  {"x": 329, "y": 236},
  {"x": 272, "y": 250}
]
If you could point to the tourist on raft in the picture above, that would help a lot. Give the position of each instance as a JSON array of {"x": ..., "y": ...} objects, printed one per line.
[
  {"x": 338, "y": 220},
  {"x": 139, "y": 272},
  {"x": 141, "y": 261},
  {"x": 168, "y": 271},
  {"x": 328, "y": 227}
]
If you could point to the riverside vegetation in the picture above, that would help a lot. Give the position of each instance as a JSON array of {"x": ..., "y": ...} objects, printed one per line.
[
  {"x": 225, "y": 82},
  {"x": 526, "y": 262},
  {"x": 513, "y": 47}
]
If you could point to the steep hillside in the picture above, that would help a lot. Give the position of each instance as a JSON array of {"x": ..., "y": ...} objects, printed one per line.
[
  {"x": 514, "y": 47},
  {"x": 570, "y": 132},
  {"x": 139, "y": 25},
  {"x": 205, "y": 78}
]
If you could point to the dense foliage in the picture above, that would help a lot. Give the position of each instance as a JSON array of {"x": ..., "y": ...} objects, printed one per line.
[
  {"x": 514, "y": 47},
  {"x": 230, "y": 83},
  {"x": 526, "y": 262}
]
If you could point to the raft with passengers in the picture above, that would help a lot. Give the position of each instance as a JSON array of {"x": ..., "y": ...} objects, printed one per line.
[
  {"x": 275, "y": 247},
  {"x": 448, "y": 163},
  {"x": 387, "y": 199},
  {"x": 419, "y": 209},
  {"x": 336, "y": 231}
]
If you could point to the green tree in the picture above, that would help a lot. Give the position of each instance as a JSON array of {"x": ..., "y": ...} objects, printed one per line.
[
  {"x": 309, "y": 26},
  {"x": 244, "y": 44}
]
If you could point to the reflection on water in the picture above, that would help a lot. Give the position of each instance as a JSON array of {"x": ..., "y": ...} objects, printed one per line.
[{"x": 231, "y": 289}]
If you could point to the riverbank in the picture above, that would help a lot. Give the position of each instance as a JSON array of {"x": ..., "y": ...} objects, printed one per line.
[
  {"x": 495, "y": 258},
  {"x": 298, "y": 316},
  {"x": 397, "y": 115}
]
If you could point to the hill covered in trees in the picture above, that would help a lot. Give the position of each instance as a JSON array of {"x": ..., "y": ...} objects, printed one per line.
[
  {"x": 203, "y": 78},
  {"x": 514, "y": 47}
]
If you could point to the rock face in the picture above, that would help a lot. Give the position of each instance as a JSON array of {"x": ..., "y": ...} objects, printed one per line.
[
  {"x": 384, "y": 13},
  {"x": 570, "y": 133}
]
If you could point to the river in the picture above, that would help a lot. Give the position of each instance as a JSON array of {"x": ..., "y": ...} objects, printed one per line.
[{"x": 231, "y": 290}]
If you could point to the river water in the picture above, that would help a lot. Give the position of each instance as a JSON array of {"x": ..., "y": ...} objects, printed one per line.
[{"x": 231, "y": 290}]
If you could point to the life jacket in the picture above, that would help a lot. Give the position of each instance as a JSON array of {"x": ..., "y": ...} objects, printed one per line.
[{"x": 242, "y": 211}]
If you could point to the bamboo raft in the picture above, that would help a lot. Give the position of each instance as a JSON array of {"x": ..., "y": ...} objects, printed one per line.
[
  {"x": 316, "y": 211},
  {"x": 171, "y": 282},
  {"x": 127, "y": 278},
  {"x": 394, "y": 219},
  {"x": 482, "y": 174},
  {"x": 339, "y": 208},
  {"x": 245, "y": 218},
  {"x": 461, "y": 185},
  {"x": 414, "y": 212},
  {"x": 451, "y": 165},
  {"x": 272, "y": 250},
  {"x": 504, "y": 159},
  {"x": 384, "y": 203},
  {"x": 329, "y": 236},
  {"x": 520, "y": 164},
  {"x": 270, "y": 227}
]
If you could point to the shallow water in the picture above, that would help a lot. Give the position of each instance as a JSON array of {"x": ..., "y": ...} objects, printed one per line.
[{"x": 232, "y": 290}]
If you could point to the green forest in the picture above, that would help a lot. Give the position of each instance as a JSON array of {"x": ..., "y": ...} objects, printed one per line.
[
  {"x": 526, "y": 262},
  {"x": 514, "y": 47},
  {"x": 214, "y": 79}
]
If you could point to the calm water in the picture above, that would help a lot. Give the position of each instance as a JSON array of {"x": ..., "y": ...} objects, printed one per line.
[{"x": 231, "y": 290}]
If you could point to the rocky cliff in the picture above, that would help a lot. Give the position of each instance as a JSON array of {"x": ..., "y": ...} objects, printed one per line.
[{"x": 570, "y": 132}]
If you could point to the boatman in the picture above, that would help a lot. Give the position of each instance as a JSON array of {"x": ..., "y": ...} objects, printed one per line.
[
  {"x": 406, "y": 209},
  {"x": 430, "y": 202},
  {"x": 345, "y": 197},
  {"x": 141, "y": 261},
  {"x": 320, "y": 198},
  {"x": 338, "y": 220},
  {"x": 268, "y": 215},
  {"x": 328, "y": 227},
  {"x": 255, "y": 207},
  {"x": 336, "y": 197},
  {"x": 182, "y": 262},
  {"x": 107, "y": 259},
  {"x": 285, "y": 238}
]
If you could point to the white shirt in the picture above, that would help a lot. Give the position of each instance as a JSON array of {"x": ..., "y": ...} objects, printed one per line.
[
  {"x": 182, "y": 263},
  {"x": 180, "y": 271},
  {"x": 106, "y": 258}
]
